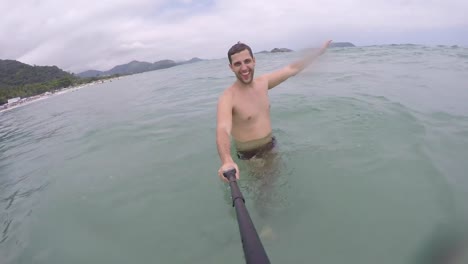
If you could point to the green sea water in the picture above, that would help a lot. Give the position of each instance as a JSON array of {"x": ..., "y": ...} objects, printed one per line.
[{"x": 373, "y": 148}]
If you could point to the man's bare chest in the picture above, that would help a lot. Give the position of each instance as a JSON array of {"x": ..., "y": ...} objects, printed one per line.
[{"x": 249, "y": 107}]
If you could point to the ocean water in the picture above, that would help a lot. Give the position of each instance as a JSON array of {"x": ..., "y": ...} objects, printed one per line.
[{"x": 373, "y": 148}]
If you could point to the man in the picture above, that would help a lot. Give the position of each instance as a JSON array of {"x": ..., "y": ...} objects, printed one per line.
[{"x": 243, "y": 110}]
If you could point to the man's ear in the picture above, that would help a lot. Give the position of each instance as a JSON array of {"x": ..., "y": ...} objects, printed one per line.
[{"x": 230, "y": 66}]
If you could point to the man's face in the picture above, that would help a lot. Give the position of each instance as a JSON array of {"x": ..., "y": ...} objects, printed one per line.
[{"x": 243, "y": 66}]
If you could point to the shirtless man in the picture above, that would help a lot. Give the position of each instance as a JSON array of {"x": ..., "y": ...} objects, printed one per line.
[{"x": 243, "y": 109}]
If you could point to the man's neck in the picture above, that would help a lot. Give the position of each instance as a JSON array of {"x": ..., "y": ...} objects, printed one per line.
[{"x": 245, "y": 85}]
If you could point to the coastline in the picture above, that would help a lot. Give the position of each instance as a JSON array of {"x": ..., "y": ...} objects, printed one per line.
[{"x": 39, "y": 97}]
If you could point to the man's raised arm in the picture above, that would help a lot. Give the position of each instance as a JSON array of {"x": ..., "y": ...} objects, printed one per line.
[{"x": 294, "y": 68}]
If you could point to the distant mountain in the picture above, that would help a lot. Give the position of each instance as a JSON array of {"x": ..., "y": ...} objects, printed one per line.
[
  {"x": 192, "y": 60},
  {"x": 136, "y": 67},
  {"x": 130, "y": 68},
  {"x": 163, "y": 65},
  {"x": 90, "y": 73},
  {"x": 332, "y": 45},
  {"x": 280, "y": 50},
  {"x": 341, "y": 45},
  {"x": 275, "y": 50},
  {"x": 14, "y": 73}
]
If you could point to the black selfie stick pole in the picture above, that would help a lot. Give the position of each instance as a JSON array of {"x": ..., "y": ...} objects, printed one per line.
[{"x": 253, "y": 248}]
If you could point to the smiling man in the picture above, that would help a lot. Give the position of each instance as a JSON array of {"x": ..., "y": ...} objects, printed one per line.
[{"x": 243, "y": 109}]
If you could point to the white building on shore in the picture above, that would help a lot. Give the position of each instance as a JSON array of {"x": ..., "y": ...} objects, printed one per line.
[{"x": 14, "y": 100}]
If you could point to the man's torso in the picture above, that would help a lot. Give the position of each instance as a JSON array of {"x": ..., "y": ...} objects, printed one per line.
[{"x": 251, "y": 111}]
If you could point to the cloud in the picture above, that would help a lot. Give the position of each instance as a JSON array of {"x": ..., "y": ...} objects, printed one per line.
[{"x": 82, "y": 35}]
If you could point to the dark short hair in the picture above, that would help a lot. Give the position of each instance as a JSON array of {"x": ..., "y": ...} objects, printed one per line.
[{"x": 238, "y": 47}]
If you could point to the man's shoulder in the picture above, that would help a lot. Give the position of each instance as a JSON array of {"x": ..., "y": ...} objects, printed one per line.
[
  {"x": 229, "y": 90},
  {"x": 262, "y": 81},
  {"x": 226, "y": 93},
  {"x": 262, "y": 78}
]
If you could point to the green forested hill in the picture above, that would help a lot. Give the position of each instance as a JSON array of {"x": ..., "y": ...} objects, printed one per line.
[
  {"x": 18, "y": 79},
  {"x": 15, "y": 73}
]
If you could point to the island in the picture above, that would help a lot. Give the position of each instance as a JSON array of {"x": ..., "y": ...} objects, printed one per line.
[{"x": 341, "y": 45}]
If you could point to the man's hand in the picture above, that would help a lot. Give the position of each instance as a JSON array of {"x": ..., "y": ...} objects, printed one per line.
[
  {"x": 225, "y": 167},
  {"x": 324, "y": 47}
]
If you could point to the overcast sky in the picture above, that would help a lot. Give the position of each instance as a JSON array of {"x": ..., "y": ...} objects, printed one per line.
[{"x": 99, "y": 34}]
